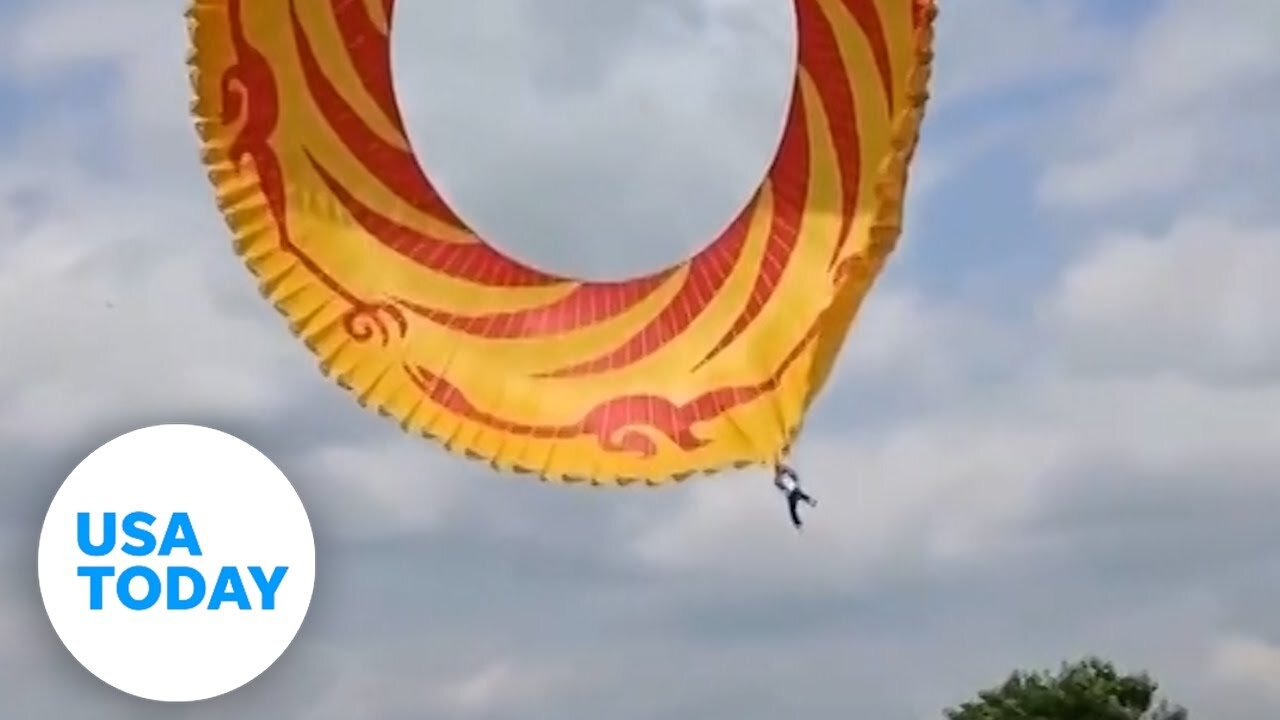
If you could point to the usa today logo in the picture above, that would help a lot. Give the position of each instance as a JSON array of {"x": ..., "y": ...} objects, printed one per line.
[
  {"x": 176, "y": 563},
  {"x": 180, "y": 536}
]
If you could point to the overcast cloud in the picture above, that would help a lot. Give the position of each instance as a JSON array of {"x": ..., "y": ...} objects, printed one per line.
[{"x": 1055, "y": 430}]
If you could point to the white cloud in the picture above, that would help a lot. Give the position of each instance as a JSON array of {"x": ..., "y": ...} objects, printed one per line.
[
  {"x": 1183, "y": 111},
  {"x": 146, "y": 42},
  {"x": 908, "y": 344},
  {"x": 965, "y": 485},
  {"x": 992, "y": 45},
  {"x": 383, "y": 487},
  {"x": 501, "y": 685},
  {"x": 111, "y": 317},
  {"x": 1155, "y": 162},
  {"x": 1191, "y": 51},
  {"x": 934, "y": 492},
  {"x": 1248, "y": 663},
  {"x": 604, "y": 153},
  {"x": 1201, "y": 299},
  {"x": 456, "y": 687}
]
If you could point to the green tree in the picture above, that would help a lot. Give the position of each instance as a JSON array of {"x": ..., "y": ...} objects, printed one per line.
[{"x": 1090, "y": 689}]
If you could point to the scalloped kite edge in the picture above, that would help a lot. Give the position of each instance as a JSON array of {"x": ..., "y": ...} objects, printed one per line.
[{"x": 890, "y": 190}]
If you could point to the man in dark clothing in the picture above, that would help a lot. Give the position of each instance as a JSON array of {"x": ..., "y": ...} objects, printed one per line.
[{"x": 785, "y": 479}]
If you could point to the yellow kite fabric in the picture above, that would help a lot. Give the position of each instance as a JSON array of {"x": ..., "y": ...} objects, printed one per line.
[{"x": 709, "y": 364}]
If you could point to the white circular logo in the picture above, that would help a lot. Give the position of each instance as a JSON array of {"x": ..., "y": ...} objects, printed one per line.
[{"x": 176, "y": 563}]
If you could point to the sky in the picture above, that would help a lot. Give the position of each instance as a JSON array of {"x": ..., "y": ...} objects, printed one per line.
[{"x": 1054, "y": 431}]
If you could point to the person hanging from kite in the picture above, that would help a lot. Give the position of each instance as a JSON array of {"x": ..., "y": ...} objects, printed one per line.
[{"x": 786, "y": 480}]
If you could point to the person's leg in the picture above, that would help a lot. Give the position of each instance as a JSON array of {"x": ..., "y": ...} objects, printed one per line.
[{"x": 793, "y": 502}]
